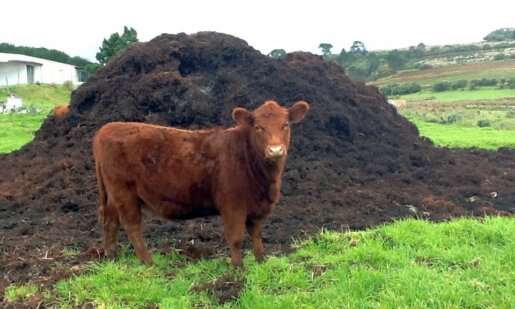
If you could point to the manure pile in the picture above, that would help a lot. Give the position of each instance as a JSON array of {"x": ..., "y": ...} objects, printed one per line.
[{"x": 354, "y": 161}]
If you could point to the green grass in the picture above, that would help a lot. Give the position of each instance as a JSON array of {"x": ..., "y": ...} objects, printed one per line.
[
  {"x": 43, "y": 96},
  {"x": 14, "y": 293},
  {"x": 454, "y": 118},
  {"x": 18, "y": 129},
  {"x": 483, "y": 93},
  {"x": 466, "y": 263},
  {"x": 458, "y": 136}
]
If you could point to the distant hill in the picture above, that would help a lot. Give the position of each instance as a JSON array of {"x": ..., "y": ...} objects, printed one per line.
[
  {"x": 464, "y": 53},
  {"x": 452, "y": 71},
  {"x": 370, "y": 66}
]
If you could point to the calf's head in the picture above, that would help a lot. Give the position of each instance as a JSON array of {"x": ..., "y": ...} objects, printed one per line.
[{"x": 269, "y": 127}]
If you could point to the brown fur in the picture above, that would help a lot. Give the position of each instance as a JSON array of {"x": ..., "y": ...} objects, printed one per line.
[
  {"x": 60, "y": 110},
  {"x": 186, "y": 174}
]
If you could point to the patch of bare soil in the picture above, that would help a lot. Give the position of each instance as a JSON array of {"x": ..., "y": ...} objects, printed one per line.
[
  {"x": 223, "y": 289},
  {"x": 354, "y": 161}
]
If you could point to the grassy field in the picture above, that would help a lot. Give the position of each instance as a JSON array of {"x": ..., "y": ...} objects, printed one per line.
[
  {"x": 43, "y": 96},
  {"x": 483, "y": 118},
  {"x": 466, "y": 263},
  {"x": 493, "y": 69},
  {"x": 459, "y": 136},
  {"x": 484, "y": 93},
  {"x": 18, "y": 129}
]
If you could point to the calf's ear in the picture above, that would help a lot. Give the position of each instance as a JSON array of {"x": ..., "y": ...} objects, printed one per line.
[
  {"x": 297, "y": 111},
  {"x": 242, "y": 116}
]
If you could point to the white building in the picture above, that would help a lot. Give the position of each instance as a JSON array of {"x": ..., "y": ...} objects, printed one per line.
[{"x": 16, "y": 69}]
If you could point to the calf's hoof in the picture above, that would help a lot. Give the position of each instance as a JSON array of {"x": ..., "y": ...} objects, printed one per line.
[{"x": 260, "y": 258}]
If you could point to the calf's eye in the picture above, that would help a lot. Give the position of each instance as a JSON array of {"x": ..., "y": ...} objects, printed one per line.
[{"x": 286, "y": 125}]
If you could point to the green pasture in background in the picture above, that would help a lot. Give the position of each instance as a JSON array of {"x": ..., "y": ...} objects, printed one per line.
[{"x": 17, "y": 129}]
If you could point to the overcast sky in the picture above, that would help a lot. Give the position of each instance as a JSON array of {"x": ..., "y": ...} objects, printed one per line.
[{"x": 78, "y": 27}]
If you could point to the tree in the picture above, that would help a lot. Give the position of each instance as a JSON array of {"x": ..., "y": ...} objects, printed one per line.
[
  {"x": 362, "y": 68},
  {"x": 344, "y": 57},
  {"x": 418, "y": 51},
  {"x": 116, "y": 43},
  {"x": 395, "y": 59},
  {"x": 326, "y": 48},
  {"x": 503, "y": 34},
  {"x": 358, "y": 48},
  {"x": 276, "y": 53},
  {"x": 373, "y": 62},
  {"x": 80, "y": 62}
]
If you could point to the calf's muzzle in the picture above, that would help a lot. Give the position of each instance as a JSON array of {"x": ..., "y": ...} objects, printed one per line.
[{"x": 275, "y": 152}]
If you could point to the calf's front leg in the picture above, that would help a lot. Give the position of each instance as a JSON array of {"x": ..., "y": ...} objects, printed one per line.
[
  {"x": 234, "y": 232},
  {"x": 255, "y": 228}
]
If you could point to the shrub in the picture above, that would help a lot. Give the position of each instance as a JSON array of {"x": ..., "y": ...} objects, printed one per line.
[
  {"x": 382, "y": 71},
  {"x": 459, "y": 84},
  {"x": 411, "y": 88},
  {"x": 499, "y": 56},
  {"x": 400, "y": 89},
  {"x": 510, "y": 113},
  {"x": 441, "y": 86},
  {"x": 488, "y": 82},
  {"x": 483, "y": 123},
  {"x": 425, "y": 66},
  {"x": 476, "y": 83},
  {"x": 450, "y": 118},
  {"x": 510, "y": 83},
  {"x": 68, "y": 85},
  {"x": 388, "y": 89}
]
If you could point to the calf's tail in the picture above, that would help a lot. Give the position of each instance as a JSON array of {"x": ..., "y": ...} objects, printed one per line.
[{"x": 102, "y": 195}]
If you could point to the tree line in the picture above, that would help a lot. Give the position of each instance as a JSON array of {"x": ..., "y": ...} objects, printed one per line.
[{"x": 44, "y": 53}]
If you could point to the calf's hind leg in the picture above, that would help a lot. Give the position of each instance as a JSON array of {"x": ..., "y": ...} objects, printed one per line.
[
  {"x": 111, "y": 228},
  {"x": 130, "y": 215}
]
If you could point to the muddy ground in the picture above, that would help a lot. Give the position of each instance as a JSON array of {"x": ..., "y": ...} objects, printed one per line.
[{"x": 354, "y": 161}]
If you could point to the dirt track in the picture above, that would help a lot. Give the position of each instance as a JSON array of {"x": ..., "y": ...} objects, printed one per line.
[{"x": 354, "y": 162}]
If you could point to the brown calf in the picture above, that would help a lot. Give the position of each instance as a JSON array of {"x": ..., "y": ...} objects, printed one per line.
[
  {"x": 235, "y": 173},
  {"x": 60, "y": 110}
]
